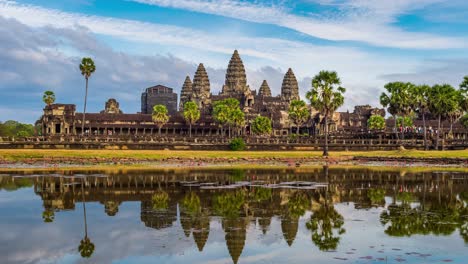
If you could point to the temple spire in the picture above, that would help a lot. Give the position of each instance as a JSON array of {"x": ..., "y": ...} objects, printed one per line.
[
  {"x": 185, "y": 93},
  {"x": 236, "y": 79},
  {"x": 290, "y": 87},
  {"x": 201, "y": 87},
  {"x": 264, "y": 89}
]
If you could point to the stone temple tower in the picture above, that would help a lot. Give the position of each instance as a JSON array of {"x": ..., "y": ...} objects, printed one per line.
[
  {"x": 236, "y": 79},
  {"x": 290, "y": 87},
  {"x": 185, "y": 93},
  {"x": 264, "y": 89},
  {"x": 201, "y": 87}
]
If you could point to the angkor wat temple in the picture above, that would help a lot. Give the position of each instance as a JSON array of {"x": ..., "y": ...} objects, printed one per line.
[{"x": 63, "y": 119}]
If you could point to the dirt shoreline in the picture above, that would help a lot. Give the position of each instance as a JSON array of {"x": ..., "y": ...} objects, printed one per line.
[{"x": 209, "y": 162}]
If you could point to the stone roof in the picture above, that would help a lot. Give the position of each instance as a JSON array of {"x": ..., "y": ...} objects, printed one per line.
[
  {"x": 186, "y": 92},
  {"x": 290, "y": 87},
  {"x": 264, "y": 89}
]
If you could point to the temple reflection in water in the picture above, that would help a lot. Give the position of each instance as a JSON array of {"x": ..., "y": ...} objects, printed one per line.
[{"x": 413, "y": 202}]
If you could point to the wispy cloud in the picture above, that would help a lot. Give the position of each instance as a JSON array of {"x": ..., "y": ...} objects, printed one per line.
[{"x": 365, "y": 21}]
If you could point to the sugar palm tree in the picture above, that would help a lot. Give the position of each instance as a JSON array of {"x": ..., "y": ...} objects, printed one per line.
[
  {"x": 48, "y": 98},
  {"x": 298, "y": 113},
  {"x": 398, "y": 100},
  {"x": 86, "y": 247},
  {"x": 326, "y": 96},
  {"x": 420, "y": 95},
  {"x": 160, "y": 116},
  {"x": 443, "y": 100},
  {"x": 87, "y": 68},
  {"x": 191, "y": 114}
]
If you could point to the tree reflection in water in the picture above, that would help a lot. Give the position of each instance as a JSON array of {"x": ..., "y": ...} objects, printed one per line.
[
  {"x": 326, "y": 225},
  {"x": 160, "y": 200},
  {"x": 432, "y": 218},
  {"x": 48, "y": 216},
  {"x": 86, "y": 247}
]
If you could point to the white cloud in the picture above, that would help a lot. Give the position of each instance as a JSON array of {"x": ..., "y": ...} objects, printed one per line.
[{"x": 366, "y": 21}]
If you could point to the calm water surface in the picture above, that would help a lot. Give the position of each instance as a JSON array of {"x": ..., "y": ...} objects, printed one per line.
[{"x": 235, "y": 216}]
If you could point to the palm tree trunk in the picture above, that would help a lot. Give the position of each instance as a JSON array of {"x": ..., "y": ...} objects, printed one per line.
[
  {"x": 403, "y": 128},
  {"x": 438, "y": 134},
  {"x": 159, "y": 130},
  {"x": 84, "y": 207},
  {"x": 229, "y": 129},
  {"x": 396, "y": 128},
  {"x": 190, "y": 132},
  {"x": 84, "y": 110},
  {"x": 425, "y": 133},
  {"x": 325, "y": 148}
]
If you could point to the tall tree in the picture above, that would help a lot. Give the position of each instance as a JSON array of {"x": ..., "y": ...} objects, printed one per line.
[
  {"x": 237, "y": 119},
  {"x": 420, "y": 94},
  {"x": 299, "y": 113},
  {"x": 160, "y": 116},
  {"x": 443, "y": 100},
  {"x": 221, "y": 114},
  {"x": 326, "y": 96},
  {"x": 87, "y": 68},
  {"x": 262, "y": 125},
  {"x": 48, "y": 98},
  {"x": 191, "y": 114},
  {"x": 227, "y": 112},
  {"x": 398, "y": 100}
]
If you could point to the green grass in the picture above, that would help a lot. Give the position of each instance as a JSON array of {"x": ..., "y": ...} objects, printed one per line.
[{"x": 24, "y": 154}]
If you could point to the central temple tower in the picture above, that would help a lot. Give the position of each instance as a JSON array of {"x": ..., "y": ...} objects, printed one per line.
[{"x": 236, "y": 79}]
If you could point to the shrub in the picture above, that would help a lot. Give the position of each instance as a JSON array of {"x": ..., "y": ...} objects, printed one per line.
[
  {"x": 237, "y": 144},
  {"x": 376, "y": 122}
]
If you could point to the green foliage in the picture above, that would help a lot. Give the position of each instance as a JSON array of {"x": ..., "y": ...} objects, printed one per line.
[
  {"x": 86, "y": 248},
  {"x": 13, "y": 128},
  {"x": 48, "y": 216},
  {"x": 228, "y": 112},
  {"x": 326, "y": 225},
  {"x": 326, "y": 95},
  {"x": 443, "y": 100},
  {"x": 191, "y": 112},
  {"x": 229, "y": 204},
  {"x": 376, "y": 122},
  {"x": 237, "y": 144},
  {"x": 298, "y": 204},
  {"x": 261, "y": 125},
  {"x": 48, "y": 98},
  {"x": 191, "y": 204},
  {"x": 237, "y": 175},
  {"x": 160, "y": 200},
  {"x": 160, "y": 116},
  {"x": 261, "y": 194},
  {"x": 15, "y": 184},
  {"x": 376, "y": 196},
  {"x": 398, "y": 99},
  {"x": 402, "y": 220},
  {"x": 299, "y": 113},
  {"x": 87, "y": 67},
  {"x": 420, "y": 98},
  {"x": 405, "y": 121}
]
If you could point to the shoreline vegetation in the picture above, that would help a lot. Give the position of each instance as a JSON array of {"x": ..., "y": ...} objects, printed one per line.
[{"x": 49, "y": 160}]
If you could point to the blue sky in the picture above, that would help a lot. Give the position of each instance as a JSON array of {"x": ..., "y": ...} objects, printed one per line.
[{"x": 140, "y": 43}]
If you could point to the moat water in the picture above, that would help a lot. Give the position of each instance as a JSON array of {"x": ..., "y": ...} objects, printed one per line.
[{"x": 323, "y": 215}]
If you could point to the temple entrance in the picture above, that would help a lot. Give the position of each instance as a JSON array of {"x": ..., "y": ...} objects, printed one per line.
[{"x": 58, "y": 129}]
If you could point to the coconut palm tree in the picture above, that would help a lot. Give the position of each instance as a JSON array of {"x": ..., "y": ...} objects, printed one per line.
[
  {"x": 326, "y": 96},
  {"x": 420, "y": 94},
  {"x": 87, "y": 68},
  {"x": 191, "y": 114},
  {"x": 48, "y": 98},
  {"x": 299, "y": 113},
  {"x": 160, "y": 116},
  {"x": 237, "y": 119}
]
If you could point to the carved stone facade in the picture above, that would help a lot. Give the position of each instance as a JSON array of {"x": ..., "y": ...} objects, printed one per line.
[
  {"x": 112, "y": 107},
  {"x": 113, "y": 121}
]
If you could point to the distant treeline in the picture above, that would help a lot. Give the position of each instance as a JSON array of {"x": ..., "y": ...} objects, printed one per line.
[{"x": 13, "y": 128}]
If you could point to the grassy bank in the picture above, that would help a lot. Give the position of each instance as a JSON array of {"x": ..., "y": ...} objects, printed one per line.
[{"x": 19, "y": 155}]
